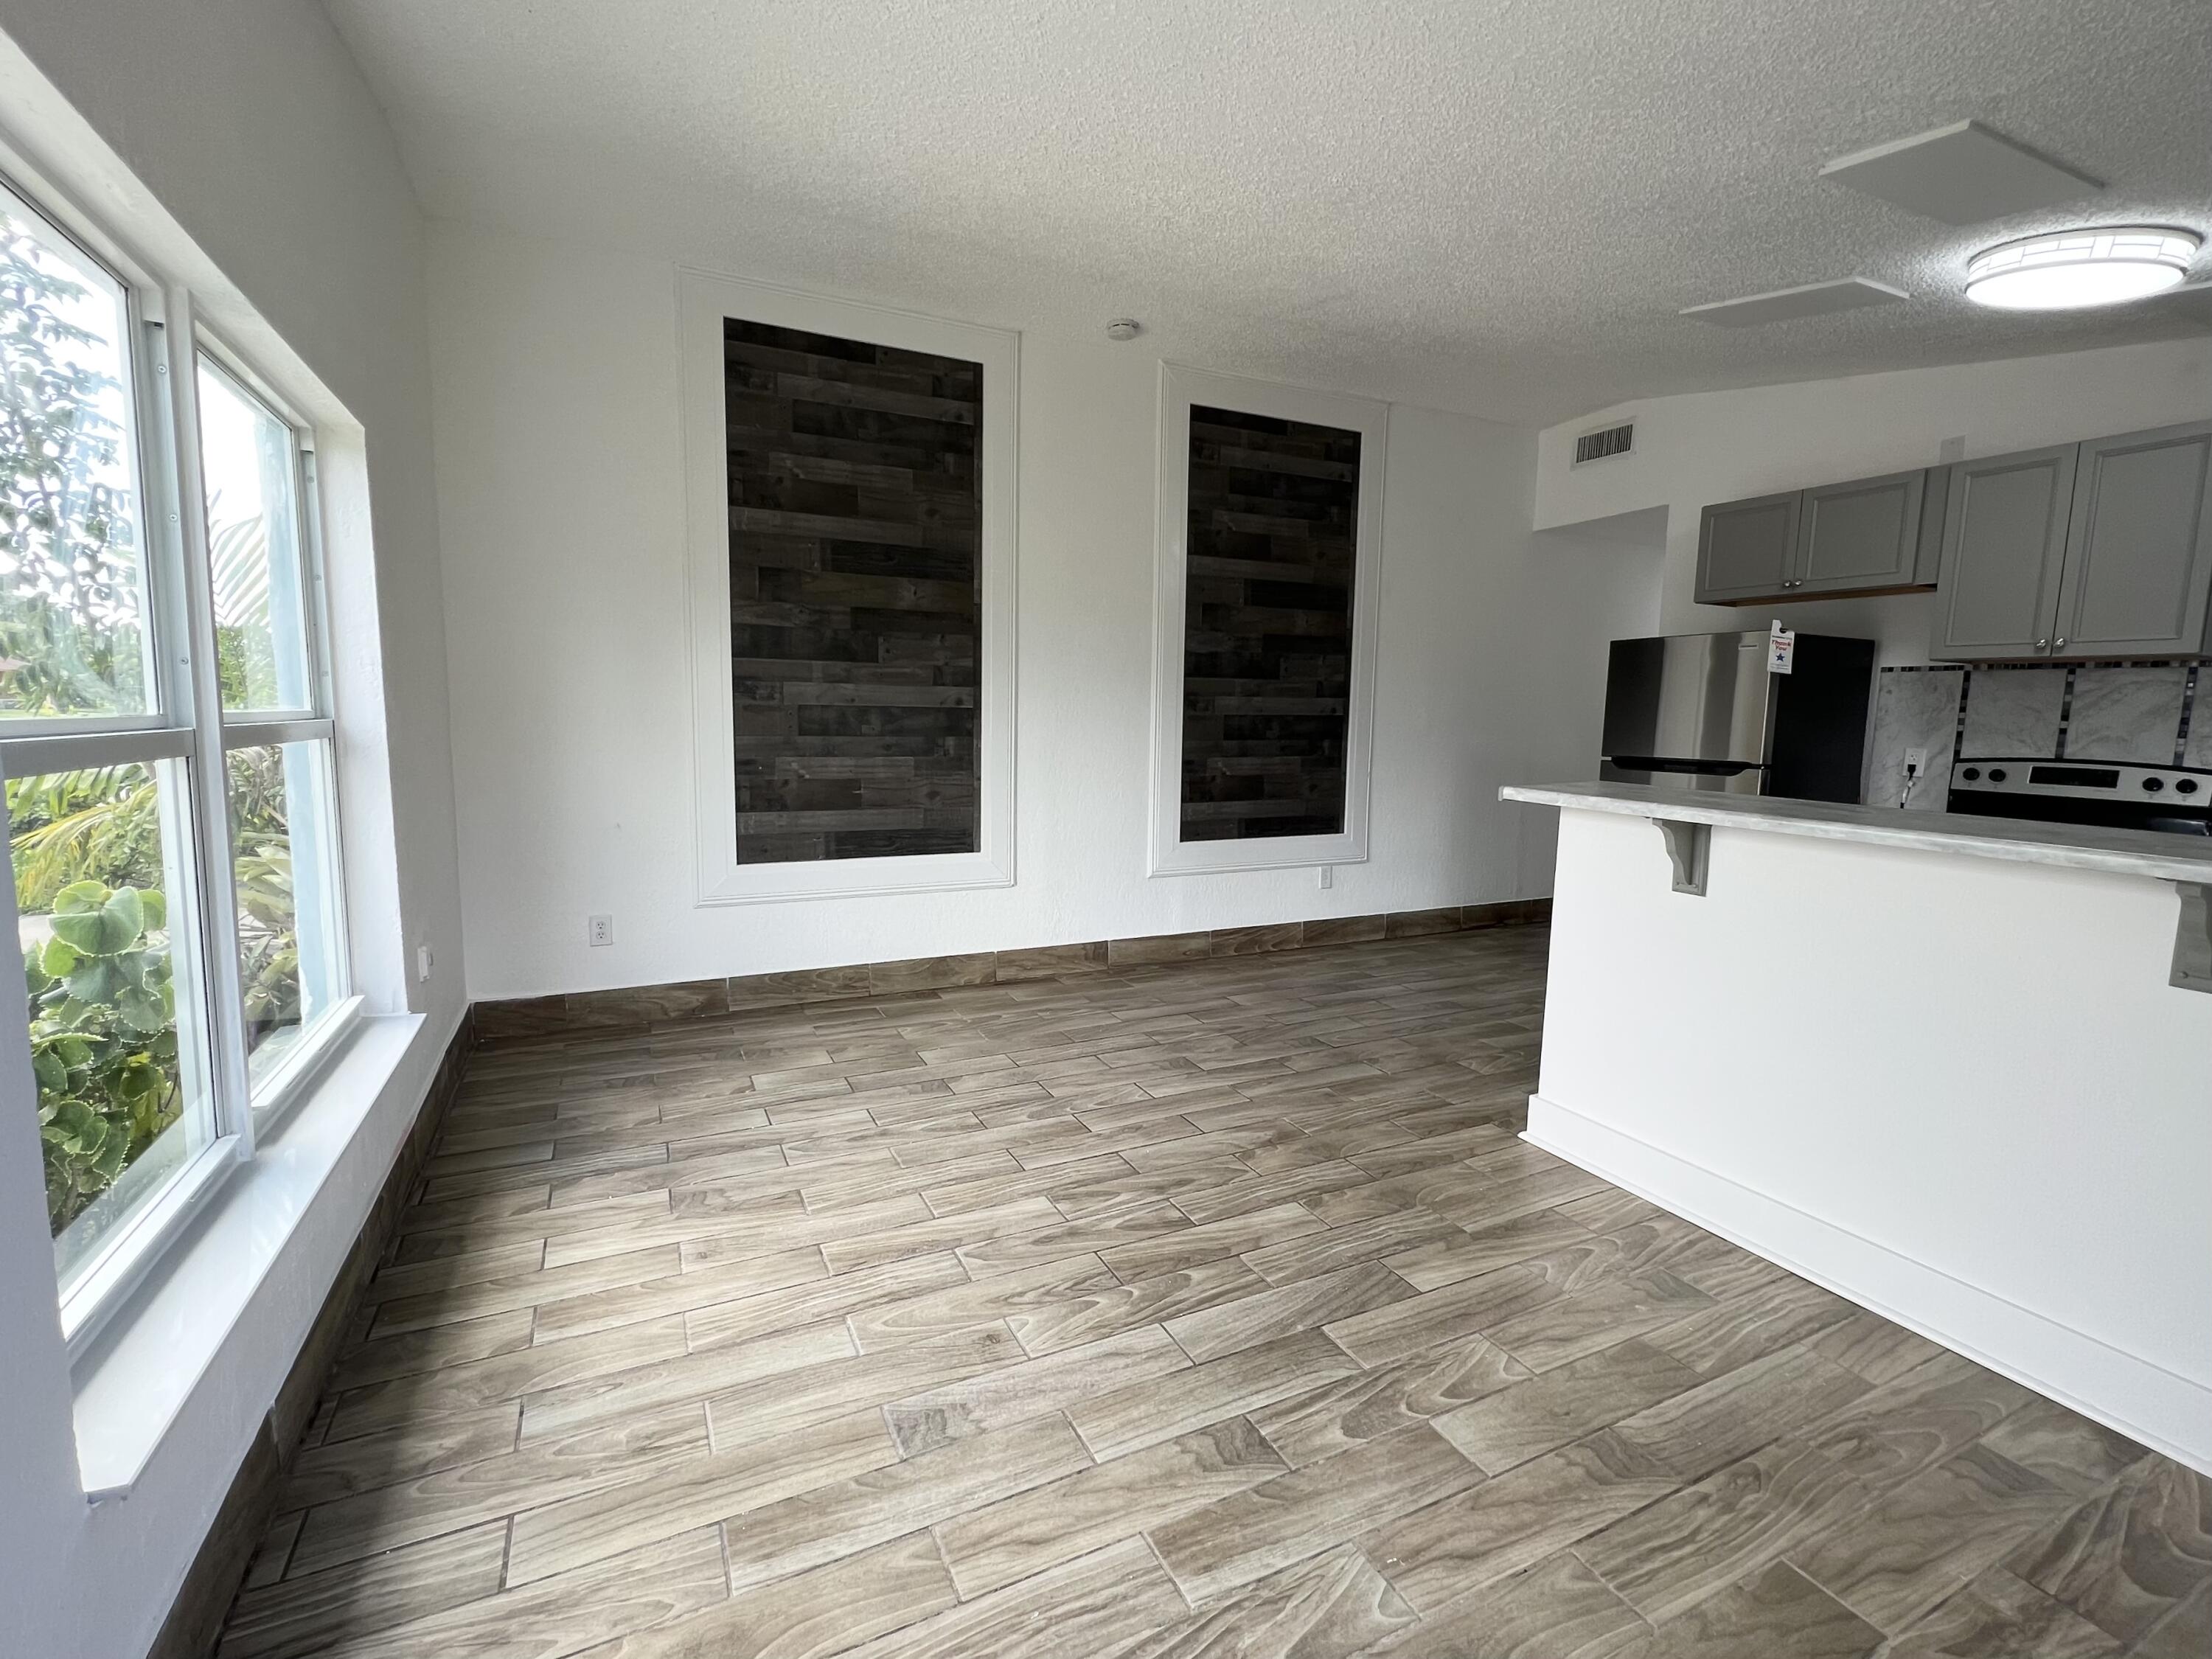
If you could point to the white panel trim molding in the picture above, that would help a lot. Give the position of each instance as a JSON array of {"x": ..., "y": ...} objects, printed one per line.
[
  {"x": 704, "y": 300},
  {"x": 2142, "y": 1399},
  {"x": 1181, "y": 387}
]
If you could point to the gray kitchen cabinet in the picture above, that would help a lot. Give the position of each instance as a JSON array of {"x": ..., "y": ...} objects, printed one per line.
[
  {"x": 2004, "y": 543},
  {"x": 1864, "y": 537},
  {"x": 2101, "y": 549},
  {"x": 2138, "y": 577},
  {"x": 1869, "y": 535},
  {"x": 1747, "y": 549}
]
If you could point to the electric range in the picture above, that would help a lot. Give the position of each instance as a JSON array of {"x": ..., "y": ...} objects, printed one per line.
[{"x": 2176, "y": 799}]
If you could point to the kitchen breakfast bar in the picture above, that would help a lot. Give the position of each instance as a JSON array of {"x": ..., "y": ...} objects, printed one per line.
[{"x": 1958, "y": 1069}]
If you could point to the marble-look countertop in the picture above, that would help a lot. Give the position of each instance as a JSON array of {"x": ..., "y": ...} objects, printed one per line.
[{"x": 2077, "y": 847}]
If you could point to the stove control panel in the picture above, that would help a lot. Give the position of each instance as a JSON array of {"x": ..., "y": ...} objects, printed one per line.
[{"x": 2084, "y": 781}]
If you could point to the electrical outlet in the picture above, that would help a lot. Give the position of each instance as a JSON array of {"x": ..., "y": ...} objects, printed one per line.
[
  {"x": 1328, "y": 876},
  {"x": 423, "y": 962},
  {"x": 1916, "y": 763},
  {"x": 601, "y": 929}
]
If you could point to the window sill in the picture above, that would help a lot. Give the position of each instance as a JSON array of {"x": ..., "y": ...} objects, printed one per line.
[
  {"x": 87, "y": 1309},
  {"x": 133, "y": 1384}
]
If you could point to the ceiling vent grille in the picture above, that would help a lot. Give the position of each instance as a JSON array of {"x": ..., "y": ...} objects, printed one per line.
[{"x": 1602, "y": 446}]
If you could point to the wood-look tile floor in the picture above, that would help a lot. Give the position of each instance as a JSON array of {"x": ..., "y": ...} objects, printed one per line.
[{"x": 1208, "y": 1310}]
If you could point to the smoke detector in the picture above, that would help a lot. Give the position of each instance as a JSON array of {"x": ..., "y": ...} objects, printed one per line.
[{"x": 1122, "y": 328}]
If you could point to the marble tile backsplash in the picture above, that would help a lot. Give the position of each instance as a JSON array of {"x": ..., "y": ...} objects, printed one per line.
[
  {"x": 2135, "y": 713},
  {"x": 2127, "y": 714},
  {"x": 2013, "y": 711},
  {"x": 1913, "y": 708}
]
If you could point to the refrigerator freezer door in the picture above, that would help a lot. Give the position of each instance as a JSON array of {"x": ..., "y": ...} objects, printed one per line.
[
  {"x": 1725, "y": 777},
  {"x": 1690, "y": 698}
]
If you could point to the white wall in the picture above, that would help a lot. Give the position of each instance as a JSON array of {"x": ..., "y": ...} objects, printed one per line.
[
  {"x": 1959, "y": 1091},
  {"x": 561, "y": 494},
  {"x": 1702, "y": 447},
  {"x": 240, "y": 143}
]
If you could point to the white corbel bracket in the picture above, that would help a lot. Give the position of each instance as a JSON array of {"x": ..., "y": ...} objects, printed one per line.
[
  {"x": 1688, "y": 846},
  {"x": 2192, "y": 936}
]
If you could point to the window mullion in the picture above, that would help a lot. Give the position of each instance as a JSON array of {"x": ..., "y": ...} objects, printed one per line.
[{"x": 201, "y": 670}]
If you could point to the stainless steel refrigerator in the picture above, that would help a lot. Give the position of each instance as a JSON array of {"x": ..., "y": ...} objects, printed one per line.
[{"x": 1703, "y": 711}]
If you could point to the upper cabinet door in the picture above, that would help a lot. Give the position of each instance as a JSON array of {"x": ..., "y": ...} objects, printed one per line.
[
  {"x": 2139, "y": 551},
  {"x": 1859, "y": 536},
  {"x": 2004, "y": 541},
  {"x": 1747, "y": 550}
]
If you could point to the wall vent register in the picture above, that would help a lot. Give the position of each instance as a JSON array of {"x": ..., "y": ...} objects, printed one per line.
[{"x": 1603, "y": 446}]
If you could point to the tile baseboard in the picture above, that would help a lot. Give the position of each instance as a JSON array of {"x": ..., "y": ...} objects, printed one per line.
[
  {"x": 631, "y": 1006},
  {"x": 196, "y": 1616},
  {"x": 2129, "y": 1393}
]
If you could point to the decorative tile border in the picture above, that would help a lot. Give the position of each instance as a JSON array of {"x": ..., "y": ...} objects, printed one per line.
[{"x": 705, "y": 999}]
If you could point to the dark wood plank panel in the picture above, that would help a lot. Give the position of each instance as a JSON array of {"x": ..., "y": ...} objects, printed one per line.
[
  {"x": 855, "y": 562},
  {"x": 1267, "y": 626}
]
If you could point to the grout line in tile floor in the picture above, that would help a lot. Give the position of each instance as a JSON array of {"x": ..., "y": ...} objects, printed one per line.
[{"x": 1511, "y": 1402}]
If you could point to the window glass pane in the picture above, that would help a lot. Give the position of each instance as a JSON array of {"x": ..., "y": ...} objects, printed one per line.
[
  {"x": 249, "y": 468},
  {"x": 291, "y": 962},
  {"x": 73, "y": 636},
  {"x": 118, "y": 1041}
]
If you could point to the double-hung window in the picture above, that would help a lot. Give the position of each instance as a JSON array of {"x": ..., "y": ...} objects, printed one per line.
[{"x": 166, "y": 742}]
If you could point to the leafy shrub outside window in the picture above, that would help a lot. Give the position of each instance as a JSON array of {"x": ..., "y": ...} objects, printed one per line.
[
  {"x": 71, "y": 641},
  {"x": 103, "y": 1039}
]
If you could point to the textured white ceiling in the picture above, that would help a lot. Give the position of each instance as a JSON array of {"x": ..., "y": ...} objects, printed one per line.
[{"x": 1496, "y": 206}]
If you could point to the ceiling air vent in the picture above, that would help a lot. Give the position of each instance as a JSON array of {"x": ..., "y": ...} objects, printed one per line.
[{"x": 1598, "y": 446}]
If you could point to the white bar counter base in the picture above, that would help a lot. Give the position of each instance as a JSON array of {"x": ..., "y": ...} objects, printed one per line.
[{"x": 1942, "y": 1065}]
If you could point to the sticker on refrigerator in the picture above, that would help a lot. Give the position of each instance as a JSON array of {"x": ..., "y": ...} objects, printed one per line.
[{"x": 1781, "y": 649}]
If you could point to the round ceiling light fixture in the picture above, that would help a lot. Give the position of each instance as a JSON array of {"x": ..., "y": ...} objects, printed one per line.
[{"x": 2070, "y": 270}]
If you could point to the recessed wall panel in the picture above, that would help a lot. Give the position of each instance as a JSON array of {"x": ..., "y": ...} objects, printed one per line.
[
  {"x": 855, "y": 542},
  {"x": 1273, "y": 528}
]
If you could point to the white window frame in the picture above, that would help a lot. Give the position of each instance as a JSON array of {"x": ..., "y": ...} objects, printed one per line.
[
  {"x": 293, "y": 1077},
  {"x": 704, "y": 300},
  {"x": 164, "y": 343},
  {"x": 1181, "y": 387}
]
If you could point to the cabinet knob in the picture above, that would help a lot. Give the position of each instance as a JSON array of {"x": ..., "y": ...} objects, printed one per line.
[
  {"x": 2043, "y": 644},
  {"x": 2058, "y": 644}
]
